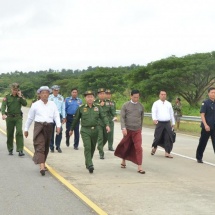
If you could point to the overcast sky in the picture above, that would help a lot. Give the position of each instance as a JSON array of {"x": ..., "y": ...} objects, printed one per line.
[{"x": 74, "y": 34}]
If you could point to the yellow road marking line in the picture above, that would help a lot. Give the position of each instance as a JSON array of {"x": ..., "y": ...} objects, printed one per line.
[{"x": 91, "y": 204}]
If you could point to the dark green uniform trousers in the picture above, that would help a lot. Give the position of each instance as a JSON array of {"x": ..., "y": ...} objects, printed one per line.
[
  {"x": 102, "y": 139},
  {"x": 110, "y": 135},
  {"x": 12, "y": 123},
  {"x": 89, "y": 136}
]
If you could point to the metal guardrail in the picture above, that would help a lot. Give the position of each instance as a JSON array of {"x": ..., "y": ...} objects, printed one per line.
[{"x": 185, "y": 118}]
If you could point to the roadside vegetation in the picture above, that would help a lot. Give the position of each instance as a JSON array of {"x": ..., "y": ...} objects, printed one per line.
[{"x": 187, "y": 77}]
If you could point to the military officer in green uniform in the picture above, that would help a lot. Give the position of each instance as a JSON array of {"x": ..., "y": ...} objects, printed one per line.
[
  {"x": 112, "y": 118},
  {"x": 106, "y": 107},
  {"x": 11, "y": 112},
  {"x": 90, "y": 115}
]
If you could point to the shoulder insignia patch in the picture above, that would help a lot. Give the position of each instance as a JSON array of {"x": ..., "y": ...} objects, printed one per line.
[
  {"x": 96, "y": 109},
  {"x": 203, "y": 103}
]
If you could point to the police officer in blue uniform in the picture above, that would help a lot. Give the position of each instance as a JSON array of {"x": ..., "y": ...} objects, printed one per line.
[
  {"x": 208, "y": 124},
  {"x": 71, "y": 105},
  {"x": 59, "y": 101}
]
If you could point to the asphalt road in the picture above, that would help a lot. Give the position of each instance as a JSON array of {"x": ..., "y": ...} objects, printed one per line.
[
  {"x": 178, "y": 186},
  {"x": 25, "y": 192}
]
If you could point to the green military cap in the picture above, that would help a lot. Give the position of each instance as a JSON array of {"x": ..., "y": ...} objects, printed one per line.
[
  {"x": 15, "y": 86},
  {"x": 107, "y": 91},
  {"x": 100, "y": 90},
  {"x": 89, "y": 92}
]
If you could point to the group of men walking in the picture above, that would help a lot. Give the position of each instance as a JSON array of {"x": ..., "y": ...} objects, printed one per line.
[
  {"x": 50, "y": 111},
  {"x": 97, "y": 117}
]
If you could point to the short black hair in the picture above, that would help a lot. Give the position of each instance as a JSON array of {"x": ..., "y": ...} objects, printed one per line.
[
  {"x": 75, "y": 88},
  {"x": 135, "y": 92},
  {"x": 179, "y": 99},
  {"x": 211, "y": 88},
  {"x": 162, "y": 91}
]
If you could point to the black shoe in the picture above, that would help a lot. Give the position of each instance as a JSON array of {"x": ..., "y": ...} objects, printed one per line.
[
  {"x": 90, "y": 168},
  {"x": 67, "y": 142},
  {"x": 76, "y": 148},
  {"x": 102, "y": 157},
  {"x": 21, "y": 153},
  {"x": 199, "y": 161},
  {"x": 59, "y": 150},
  {"x": 52, "y": 150},
  {"x": 11, "y": 152},
  {"x": 42, "y": 172},
  {"x": 111, "y": 149}
]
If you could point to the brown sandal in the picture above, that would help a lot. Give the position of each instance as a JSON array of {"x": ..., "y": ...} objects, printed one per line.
[
  {"x": 141, "y": 171},
  {"x": 153, "y": 151},
  {"x": 168, "y": 156},
  {"x": 42, "y": 172},
  {"x": 123, "y": 166}
]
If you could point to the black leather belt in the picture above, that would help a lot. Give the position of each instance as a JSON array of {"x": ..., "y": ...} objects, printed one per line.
[
  {"x": 164, "y": 121},
  {"x": 70, "y": 115}
]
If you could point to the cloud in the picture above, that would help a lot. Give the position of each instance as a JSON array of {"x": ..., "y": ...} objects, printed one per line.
[{"x": 72, "y": 34}]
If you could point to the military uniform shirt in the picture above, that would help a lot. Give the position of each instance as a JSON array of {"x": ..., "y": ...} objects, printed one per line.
[
  {"x": 71, "y": 105},
  {"x": 59, "y": 101},
  {"x": 108, "y": 110},
  {"x": 12, "y": 104},
  {"x": 89, "y": 116},
  {"x": 113, "y": 107},
  {"x": 208, "y": 108}
]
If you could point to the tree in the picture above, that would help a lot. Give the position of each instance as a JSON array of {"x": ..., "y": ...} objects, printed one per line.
[
  {"x": 188, "y": 76},
  {"x": 111, "y": 78}
]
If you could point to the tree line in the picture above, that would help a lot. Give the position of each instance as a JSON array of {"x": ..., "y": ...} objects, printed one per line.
[{"x": 188, "y": 77}]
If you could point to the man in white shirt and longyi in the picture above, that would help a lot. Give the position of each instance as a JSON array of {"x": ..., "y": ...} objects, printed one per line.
[
  {"x": 44, "y": 113},
  {"x": 163, "y": 118}
]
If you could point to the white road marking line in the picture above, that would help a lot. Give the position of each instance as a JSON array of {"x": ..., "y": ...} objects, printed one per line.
[{"x": 187, "y": 157}]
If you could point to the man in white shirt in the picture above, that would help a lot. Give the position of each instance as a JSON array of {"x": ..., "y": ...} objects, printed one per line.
[
  {"x": 44, "y": 113},
  {"x": 163, "y": 118}
]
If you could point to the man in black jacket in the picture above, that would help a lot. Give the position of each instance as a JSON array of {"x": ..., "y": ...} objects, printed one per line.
[{"x": 207, "y": 112}]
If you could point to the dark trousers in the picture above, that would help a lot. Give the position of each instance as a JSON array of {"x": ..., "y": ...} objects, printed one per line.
[
  {"x": 69, "y": 120},
  {"x": 203, "y": 142},
  {"x": 56, "y": 138}
]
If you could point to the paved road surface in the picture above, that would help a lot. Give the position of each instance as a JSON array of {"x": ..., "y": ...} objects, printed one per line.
[
  {"x": 178, "y": 186},
  {"x": 25, "y": 192}
]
